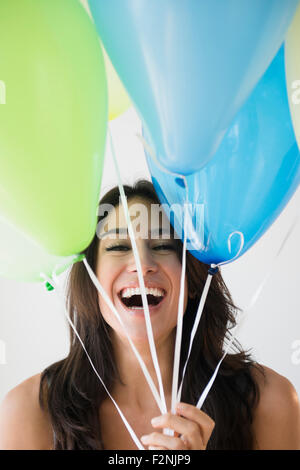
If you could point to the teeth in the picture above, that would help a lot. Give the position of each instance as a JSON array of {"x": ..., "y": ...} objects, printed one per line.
[{"x": 129, "y": 292}]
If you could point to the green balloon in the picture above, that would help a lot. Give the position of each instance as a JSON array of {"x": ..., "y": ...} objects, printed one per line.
[
  {"x": 22, "y": 259},
  {"x": 53, "y": 121}
]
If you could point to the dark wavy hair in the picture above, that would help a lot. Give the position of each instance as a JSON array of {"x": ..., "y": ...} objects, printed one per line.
[{"x": 71, "y": 392}]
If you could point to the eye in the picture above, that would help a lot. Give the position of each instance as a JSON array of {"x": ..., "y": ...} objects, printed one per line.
[
  {"x": 164, "y": 246},
  {"x": 117, "y": 247},
  {"x": 123, "y": 247}
]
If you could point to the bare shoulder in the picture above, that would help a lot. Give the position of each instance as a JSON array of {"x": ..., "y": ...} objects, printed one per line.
[
  {"x": 23, "y": 424},
  {"x": 276, "y": 422}
]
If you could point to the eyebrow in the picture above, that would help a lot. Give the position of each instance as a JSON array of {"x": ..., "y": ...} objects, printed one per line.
[{"x": 124, "y": 231}]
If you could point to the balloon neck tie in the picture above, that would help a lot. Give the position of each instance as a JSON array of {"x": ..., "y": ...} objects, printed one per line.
[
  {"x": 48, "y": 286},
  {"x": 213, "y": 270}
]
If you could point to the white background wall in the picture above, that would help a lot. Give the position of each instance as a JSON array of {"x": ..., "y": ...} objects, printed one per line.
[{"x": 34, "y": 333}]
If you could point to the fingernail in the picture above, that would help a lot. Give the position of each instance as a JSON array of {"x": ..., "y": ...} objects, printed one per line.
[
  {"x": 180, "y": 406},
  {"x": 180, "y": 410},
  {"x": 155, "y": 421},
  {"x": 144, "y": 439}
]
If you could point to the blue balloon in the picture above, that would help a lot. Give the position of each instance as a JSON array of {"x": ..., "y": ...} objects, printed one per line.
[
  {"x": 235, "y": 198},
  {"x": 189, "y": 65}
]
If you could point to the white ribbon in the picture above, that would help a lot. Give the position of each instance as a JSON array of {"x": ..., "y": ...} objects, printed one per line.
[
  {"x": 141, "y": 283},
  {"x": 180, "y": 313},
  {"x": 195, "y": 327},
  {"x": 179, "y": 323},
  {"x": 176, "y": 396},
  {"x": 106, "y": 298},
  {"x": 59, "y": 291},
  {"x": 252, "y": 302}
]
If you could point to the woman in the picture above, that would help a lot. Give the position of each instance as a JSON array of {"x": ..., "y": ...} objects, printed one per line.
[{"x": 66, "y": 407}]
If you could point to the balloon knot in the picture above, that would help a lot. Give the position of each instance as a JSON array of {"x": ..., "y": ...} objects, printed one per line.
[
  {"x": 48, "y": 286},
  {"x": 213, "y": 271},
  {"x": 180, "y": 182}
]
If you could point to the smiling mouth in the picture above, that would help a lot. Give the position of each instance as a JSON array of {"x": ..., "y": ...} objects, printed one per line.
[{"x": 132, "y": 298}]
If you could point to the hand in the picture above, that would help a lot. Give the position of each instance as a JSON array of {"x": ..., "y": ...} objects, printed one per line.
[{"x": 192, "y": 428}]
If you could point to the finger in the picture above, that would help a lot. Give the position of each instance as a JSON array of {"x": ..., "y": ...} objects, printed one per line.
[
  {"x": 157, "y": 439},
  {"x": 189, "y": 429},
  {"x": 177, "y": 423},
  {"x": 192, "y": 413},
  {"x": 187, "y": 443}
]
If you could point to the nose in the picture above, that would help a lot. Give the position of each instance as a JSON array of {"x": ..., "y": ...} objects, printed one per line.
[{"x": 148, "y": 263}]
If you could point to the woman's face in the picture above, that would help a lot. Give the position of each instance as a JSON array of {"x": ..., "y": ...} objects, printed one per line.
[{"x": 161, "y": 268}]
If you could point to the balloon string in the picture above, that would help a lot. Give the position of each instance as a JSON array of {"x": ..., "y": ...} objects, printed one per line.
[
  {"x": 140, "y": 278},
  {"x": 207, "y": 285},
  {"x": 114, "y": 310},
  {"x": 211, "y": 381},
  {"x": 195, "y": 327},
  {"x": 211, "y": 272},
  {"x": 269, "y": 272},
  {"x": 246, "y": 311},
  {"x": 180, "y": 313},
  {"x": 229, "y": 248},
  {"x": 177, "y": 395},
  {"x": 56, "y": 285}
]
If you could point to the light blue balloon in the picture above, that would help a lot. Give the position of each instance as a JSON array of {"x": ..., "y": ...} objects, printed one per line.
[
  {"x": 248, "y": 182},
  {"x": 189, "y": 65}
]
